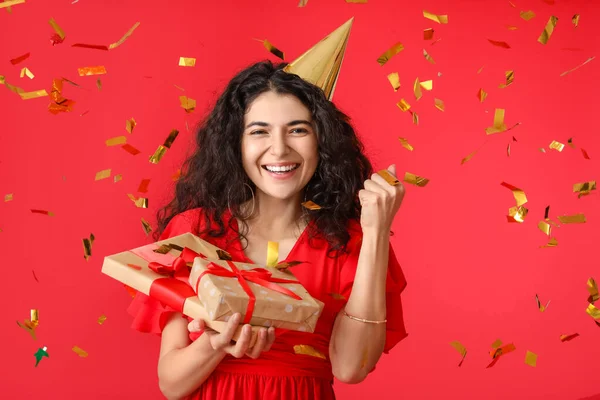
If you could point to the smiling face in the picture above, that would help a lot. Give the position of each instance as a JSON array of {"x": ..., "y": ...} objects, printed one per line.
[{"x": 279, "y": 145}]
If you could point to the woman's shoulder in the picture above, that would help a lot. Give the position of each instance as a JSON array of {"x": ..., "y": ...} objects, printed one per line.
[{"x": 184, "y": 222}]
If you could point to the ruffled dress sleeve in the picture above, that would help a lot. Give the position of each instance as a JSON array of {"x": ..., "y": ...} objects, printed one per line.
[
  {"x": 395, "y": 284},
  {"x": 150, "y": 315}
]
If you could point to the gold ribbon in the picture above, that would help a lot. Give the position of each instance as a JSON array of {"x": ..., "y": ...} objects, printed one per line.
[{"x": 272, "y": 253}]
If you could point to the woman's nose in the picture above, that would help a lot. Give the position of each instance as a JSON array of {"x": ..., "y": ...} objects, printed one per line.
[{"x": 279, "y": 145}]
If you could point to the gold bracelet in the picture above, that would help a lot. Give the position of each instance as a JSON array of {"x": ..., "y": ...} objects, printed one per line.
[{"x": 368, "y": 321}]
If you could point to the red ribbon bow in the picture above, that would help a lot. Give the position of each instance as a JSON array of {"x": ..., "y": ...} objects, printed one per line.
[
  {"x": 259, "y": 276},
  {"x": 178, "y": 266}
]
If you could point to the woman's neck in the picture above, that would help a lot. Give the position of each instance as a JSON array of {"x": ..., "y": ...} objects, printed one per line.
[{"x": 274, "y": 218}]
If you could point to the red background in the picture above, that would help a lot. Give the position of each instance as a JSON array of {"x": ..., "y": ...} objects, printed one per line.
[{"x": 472, "y": 276}]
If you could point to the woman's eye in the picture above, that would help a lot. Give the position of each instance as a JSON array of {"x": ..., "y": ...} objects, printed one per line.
[
  {"x": 259, "y": 132},
  {"x": 299, "y": 130}
]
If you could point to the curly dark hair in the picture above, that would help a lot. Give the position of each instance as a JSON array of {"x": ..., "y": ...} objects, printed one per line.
[{"x": 216, "y": 164}]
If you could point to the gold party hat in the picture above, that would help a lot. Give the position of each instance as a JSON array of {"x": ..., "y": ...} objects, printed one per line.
[{"x": 321, "y": 64}]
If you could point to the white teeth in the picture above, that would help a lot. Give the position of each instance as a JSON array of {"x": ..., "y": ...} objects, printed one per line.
[{"x": 281, "y": 169}]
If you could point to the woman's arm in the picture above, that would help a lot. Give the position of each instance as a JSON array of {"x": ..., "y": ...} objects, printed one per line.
[
  {"x": 355, "y": 347},
  {"x": 183, "y": 365}
]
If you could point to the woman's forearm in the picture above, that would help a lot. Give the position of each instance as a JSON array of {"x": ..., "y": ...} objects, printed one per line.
[
  {"x": 355, "y": 346},
  {"x": 181, "y": 371}
]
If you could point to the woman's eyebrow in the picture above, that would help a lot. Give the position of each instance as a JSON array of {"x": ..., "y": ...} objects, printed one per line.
[{"x": 291, "y": 123}]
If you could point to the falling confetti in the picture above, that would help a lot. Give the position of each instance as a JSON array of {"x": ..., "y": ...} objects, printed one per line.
[
  {"x": 87, "y": 71},
  {"x": 8, "y": 197},
  {"x": 26, "y": 72},
  {"x": 566, "y": 338},
  {"x": 428, "y": 34},
  {"x": 308, "y": 351},
  {"x": 57, "y": 29},
  {"x": 101, "y": 319},
  {"x": 415, "y": 118},
  {"x": 558, "y": 146},
  {"x": 499, "y": 125},
  {"x": 467, "y": 158},
  {"x": 102, "y": 174},
  {"x": 427, "y": 85},
  {"x": 584, "y": 188},
  {"x": 117, "y": 178},
  {"x": 162, "y": 149},
  {"x": 575, "y": 20},
  {"x": 385, "y": 57},
  {"x": 116, "y": 141},
  {"x": 499, "y": 44},
  {"x": 176, "y": 175},
  {"x": 146, "y": 226},
  {"x": 112, "y": 45},
  {"x": 545, "y": 227},
  {"x": 188, "y": 104},
  {"x": 577, "y": 67},
  {"x": 415, "y": 180},
  {"x": 141, "y": 202},
  {"x": 540, "y": 306},
  {"x": 272, "y": 49},
  {"x": 129, "y": 125},
  {"x": 389, "y": 178},
  {"x": 481, "y": 95},
  {"x": 80, "y": 352},
  {"x": 527, "y": 15},
  {"x": 572, "y": 219},
  {"x": 403, "y": 105},
  {"x": 311, "y": 205},
  {"x": 417, "y": 89},
  {"x": 461, "y": 349},
  {"x": 592, "y": 287},
  {"x": 428, "y": 57},
  {"x": 87, "y": 246},
  {"x": 99, "y": 84},
  {"x": 35, "y": 277},
  {"x": 41, "y": 352},
  {"x": 405, "y": 144},
  {"x": 29, "y": 327},
  {"x": 187, "y": 62},
  {"x": 551, "y": 243},
  {"x": 531, "y": 359},
  {"x": 500, "y": 351},
  {"x": 439, "y": 104},
  {"x": 143, "y": 188},
  {"x": 302, "y": 3},
  {"x": 33, "y": 95},
  {"x": 394, "y": 80},
  {"x": 593, "y": 312},
  {"x": 130, "y": 149},
  {"x": 550, "y": 25},
  {"x": 440, "y": 19},
  {"x": 48, "y": 213},
  {"x": 510, "y": 77},
  {"x": 19, "y": 59}
]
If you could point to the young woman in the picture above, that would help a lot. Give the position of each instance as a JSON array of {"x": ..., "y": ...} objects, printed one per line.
[{"x": 272, "y": 142}]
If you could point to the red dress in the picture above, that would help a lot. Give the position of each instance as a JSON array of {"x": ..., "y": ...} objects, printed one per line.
[{"x": 280, "y": 373}]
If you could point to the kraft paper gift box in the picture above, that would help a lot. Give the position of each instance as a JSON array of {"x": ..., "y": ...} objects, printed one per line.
[
  {"x": 265, "y": 296},
  {"x": 165, "y": 277}
]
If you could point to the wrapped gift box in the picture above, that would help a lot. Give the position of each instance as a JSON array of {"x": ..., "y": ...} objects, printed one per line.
[
  {"x": 159, "y": 270},
  {"x": 265, "y": 296}
]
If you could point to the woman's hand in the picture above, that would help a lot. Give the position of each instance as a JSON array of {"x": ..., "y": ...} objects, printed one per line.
[
  {"x": 222, "y": 341},
  {"x": 380, "y": 202}
]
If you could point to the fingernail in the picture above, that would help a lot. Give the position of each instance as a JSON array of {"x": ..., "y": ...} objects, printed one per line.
[
  {"x": 236, "y": 317},
  {"x": 197, "y": 325},
  {"x": 247, "y": 329}
]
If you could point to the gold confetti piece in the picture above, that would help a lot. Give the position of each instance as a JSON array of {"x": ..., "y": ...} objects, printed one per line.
[
  {"x": 499, "y": 44},
  {"x": 417, "y": 89},
  {"x": 558, "y": 146},
  {"x": 467, "y": 158},
  {"x": 57, "y": 28},
  {"x": 518, "y": 194},
  {"x": 593, "y": 311},
  {"x": 87, "y": 71},
  {"x": 575, "y": 20},
  {"x": 531, "y": 359},
  {"x": 481, "y": 95},
  {"x": 272, "y": 253},
  {"x": 8, "y": 197},
  {"x": 87, "y": 246},
  {"x": 499, "y": 125},
  {"x": 34, "y": 314},
  {"x": 427, "y": 85},
  {"x": 527, "y": 15},
  {"x": 403, "y": 105},
  {"x": 187, "y": 103},
  {"x": 117, "y": 178},
  {"x": 143, "y": 188},
  {"x": 385, "y": 57},
  {"x": 101, "y": 319},
  {"x": 125, "y": 36},
  {"x": 162, "y": 149},
  {"x": 405, "y": 144},
  {"x": 9, "y": 3},
  {"x": 496, "y": 344},
  {"x": 566, "y": 338},
  {"x": 584, "y": 188},
  {"x": 310, "y": 205},
  {"x": 428, "y": 34},
  {"x": 308, "y": 351},
  {"x": 140, "y": 202},
  {"x": 302, "y": 3},
  {"x": 512, "y": 28},
  {"x": 550, "y": 25},
  {"x": 592, "y": 287},
  {"x": 508, "y": 150},
  {"x": 187, "y": 62},
  {"x": 177, "y": 175},
  {"x": 130, "y": 149},
  {"x": 440, "y": 19},
  {"x": 439, "y": 104},
  {"x": 80, "y": 352},
  {"x": 26, "y": 72},
  {"x": 572, "y": 219},
  {"x": 99, "y": 84},
  {"x": 551, "y": 243},
  {"x": 462, "y": 350},
  {"x": 570, "y": 142},
  {"x": 394, "y": 80},
  {"x": 48, "y": 213},
  {"x": 284, "y": 266},
  {"x": 29, "y": 327},
  {"x": 577, "y": 67},
  {"x": 428, "y": 57},
  {"x": 389, "y": 178},
  {"x": 102, "y": 174},
  {"x": 129, "y": 125},
  {"x": 272, "y": 49},
  {"x": 415, "y": 118},
  {"x": 33, "y": 95},
  {"x": 116, "y": 141},
  {"x": 517, "y": 214},
  {"x": 510, "y": 77},
  {"x": 415, "y": 180},
  {"x": 545, "y": 227},
  {"x": 480, "y": 69},
  {"x": 540, "y": 306}
]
